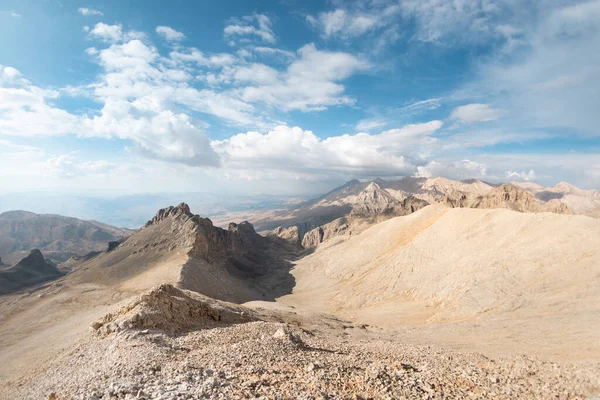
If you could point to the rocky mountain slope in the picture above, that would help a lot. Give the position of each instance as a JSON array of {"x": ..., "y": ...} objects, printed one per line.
[
  {"x": 176, "y": 246},
  {"x": 31, "y": 270},
  {"x": 58, "y": 237},
  {"x": 354, "y": 206}
]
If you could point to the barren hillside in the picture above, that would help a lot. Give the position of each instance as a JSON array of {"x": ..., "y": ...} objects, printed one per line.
[{"x": 443, "y": 265}]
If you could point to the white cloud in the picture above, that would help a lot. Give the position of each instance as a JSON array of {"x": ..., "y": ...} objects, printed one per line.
[
  {"x": 89, "y": 11},
  {"x": 27, "y": 110},
  {"x": 453, "y": 21},
  {"x": 9, "y": 73},
  {"x": 420, "y": 106},
  {"x": 367, "y": 125},
  {"x": 109, "y": 33},
  {"x": 523, "y": 175},
  {"x": 113, "y": 33},
  {"x": 310, "y": 82},
  {"x": 347, "y": 24},
  {"x": 263, "y": 50},
  {"x": 169, "y": 33},
  {"x": 460, "y": 169},
  {"x": 293, "y": 151},
  {"x": 475, "y": 112},
  {"x": 550, "y": 76},
  {"x": 252, "y": 25}
]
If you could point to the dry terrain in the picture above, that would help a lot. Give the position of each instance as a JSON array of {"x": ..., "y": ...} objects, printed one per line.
[{"x": 442, "y": 303}]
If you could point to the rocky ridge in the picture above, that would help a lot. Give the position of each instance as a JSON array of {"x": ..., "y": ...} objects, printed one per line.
[
  {"x": 378, "y": 200},
  {"x": 182, "y": 248}
]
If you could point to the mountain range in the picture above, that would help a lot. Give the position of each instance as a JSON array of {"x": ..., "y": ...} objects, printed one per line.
[
  {"x": 356, "y": 205},
  {"x": 502, "y": 270}
]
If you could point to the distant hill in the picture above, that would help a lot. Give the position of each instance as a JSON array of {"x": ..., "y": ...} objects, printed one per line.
[
  {"x": 31, "y": 270},
  {"x": 58, "y": 237}
]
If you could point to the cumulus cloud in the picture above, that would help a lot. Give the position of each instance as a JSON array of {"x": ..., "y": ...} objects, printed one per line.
[
  {"x": 297, "y": 152},
  {"x": 257, "y": 25},
  {"x": 89, "y": 11},
  {"x": 27, "y": 110},
  {"x": 109, "y": 33},
  {"x": 461, "y": 169},
  {"x": 475, "y": 113},
  {"x": 112, "y": 33},
  {"x": 169, "y": 33}
]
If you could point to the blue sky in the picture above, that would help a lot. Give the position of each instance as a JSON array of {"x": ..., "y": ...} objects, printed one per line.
[{"x": 292, "y": 97}]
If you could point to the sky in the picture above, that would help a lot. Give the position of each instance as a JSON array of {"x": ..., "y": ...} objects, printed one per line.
[{"x": 294, "y": 97}]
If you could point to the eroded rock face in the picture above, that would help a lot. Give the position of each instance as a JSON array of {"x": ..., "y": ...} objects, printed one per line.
[
  {"x": 291, "y": 234},
  {"x": 313, "y": 238},
  {"x": 513, "y": 198},
  {"x": 357, "y": 222}
]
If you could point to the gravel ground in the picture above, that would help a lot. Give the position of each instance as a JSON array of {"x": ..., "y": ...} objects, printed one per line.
[
  {"x": 174, "y": 344},
  {"x": 268, "y": 360}
]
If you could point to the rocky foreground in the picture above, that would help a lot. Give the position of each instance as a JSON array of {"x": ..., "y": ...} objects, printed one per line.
[{"x": 172, "y": 344}]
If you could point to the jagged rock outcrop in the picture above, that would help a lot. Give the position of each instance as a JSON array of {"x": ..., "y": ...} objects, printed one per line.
[
  {"x": 170, "y": 309},
  {"x": 181, "y": 211},
  {"x": 357, "y": 222},
  {"x": 176, "y": 246},
  {"x": 313, "y": 238},
  {"x": 507, "y": 196},
  {"x": 290, "y": 235},
  {"x": 514, "y": 198},
  {"x": 31, "y": 270}
]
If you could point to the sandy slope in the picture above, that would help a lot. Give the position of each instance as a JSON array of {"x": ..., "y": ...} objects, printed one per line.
[{"x": 466, "y": 271}]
